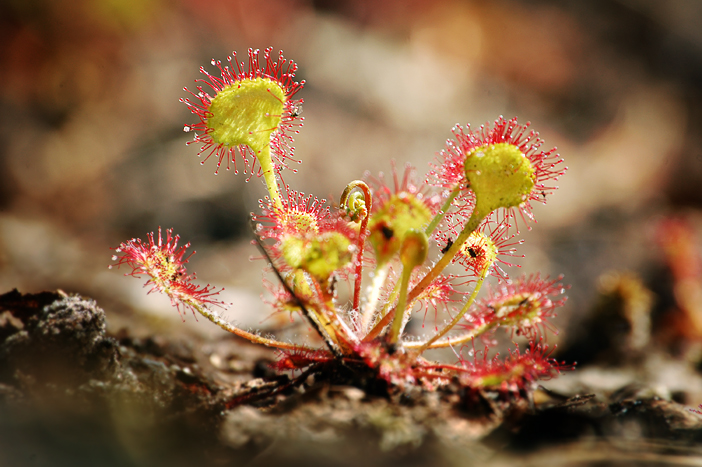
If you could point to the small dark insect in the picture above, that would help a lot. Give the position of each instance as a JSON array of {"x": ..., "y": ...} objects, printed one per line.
[
  {"x": 295, "y": 111},
  {"x": 472, "y": 252},
  {"x": 387, "y": 232},
  {"x": 177, "y": 275},
  {"x": 332, "y": 286},
  {"x": 449, "y": 244}
]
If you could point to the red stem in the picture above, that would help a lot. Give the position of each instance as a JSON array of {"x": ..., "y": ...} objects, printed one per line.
[{"x": 361, "y": 236}]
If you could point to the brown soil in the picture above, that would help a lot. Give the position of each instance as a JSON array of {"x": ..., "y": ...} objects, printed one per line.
[{"x": 72, "y": 395}]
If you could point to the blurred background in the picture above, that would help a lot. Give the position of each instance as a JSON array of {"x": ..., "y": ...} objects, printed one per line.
[{"x": 93, "y": 150}]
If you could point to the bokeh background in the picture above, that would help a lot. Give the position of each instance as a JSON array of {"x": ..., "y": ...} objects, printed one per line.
[{"x": 93, "y": 150}]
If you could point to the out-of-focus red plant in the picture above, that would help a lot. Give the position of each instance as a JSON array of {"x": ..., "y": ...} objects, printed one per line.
[{"x": 678, "y": 241}]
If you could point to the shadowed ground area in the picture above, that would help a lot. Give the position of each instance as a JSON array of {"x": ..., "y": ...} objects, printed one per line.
[{"x": 72, "y": 395}]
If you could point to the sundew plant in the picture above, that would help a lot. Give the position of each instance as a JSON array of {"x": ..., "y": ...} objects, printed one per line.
[{"x": 387, "y": 244}]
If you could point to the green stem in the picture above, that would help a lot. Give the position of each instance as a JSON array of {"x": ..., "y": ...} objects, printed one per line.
[
  {"x": 401, "y": 303},
  {"x": 442, "y": 212},
  {"x": 256, "y": 339},
  {"x": 381, "y": 274},
  {"x": 463, "y": 338},
  {"x": 268, "y": 169},
  {"x": 383, "y": 313},
  {"x": 475, "y": 219},
  {"x": 460, "y": 314},
  {"x": 332, "y": 325}
]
